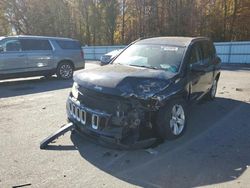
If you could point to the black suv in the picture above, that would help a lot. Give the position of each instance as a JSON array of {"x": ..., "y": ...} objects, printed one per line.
[{"x": 145, "y": 91}]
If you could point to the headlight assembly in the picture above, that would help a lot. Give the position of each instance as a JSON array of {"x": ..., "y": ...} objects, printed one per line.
[{"x": 74, "y": 90}]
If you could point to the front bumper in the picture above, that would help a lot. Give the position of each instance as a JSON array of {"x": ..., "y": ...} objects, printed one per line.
[
  {"x": 113, "y": 143},
  {"x": 93, "y": 124}
]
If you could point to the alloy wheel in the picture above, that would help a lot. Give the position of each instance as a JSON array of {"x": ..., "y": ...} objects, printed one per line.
[
  {"x": 66, "y": 71},
  {"x": 177, "y": 121}
]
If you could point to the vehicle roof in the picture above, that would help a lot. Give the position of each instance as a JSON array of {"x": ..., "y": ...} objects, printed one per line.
[
  {"x": 38, "y": 37},
  {"x": 175, "y": 41}
]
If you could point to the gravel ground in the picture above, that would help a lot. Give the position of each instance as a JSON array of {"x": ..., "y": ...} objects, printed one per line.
[{"x": 214, "y": 152}]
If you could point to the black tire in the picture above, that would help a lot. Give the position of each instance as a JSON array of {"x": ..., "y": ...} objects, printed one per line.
[
  {"x": 65, "y": 70},
  {"x": 164, "y": 117}
]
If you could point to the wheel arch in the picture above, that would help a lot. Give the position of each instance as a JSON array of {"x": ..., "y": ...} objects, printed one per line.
[{"x": 66, "y": 61}]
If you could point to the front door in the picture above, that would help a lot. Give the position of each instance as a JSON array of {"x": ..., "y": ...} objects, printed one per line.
[
  {"x": 198, "y": 81},
  {"x": 208, "y": 58},
  {"x": 12, "y": 58}
]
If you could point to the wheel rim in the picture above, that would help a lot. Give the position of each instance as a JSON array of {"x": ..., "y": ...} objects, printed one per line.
[
  {"x": 214, "y": 88},
  {"x": 177, "y": 121},
  {"x": 66, "y": 71}
]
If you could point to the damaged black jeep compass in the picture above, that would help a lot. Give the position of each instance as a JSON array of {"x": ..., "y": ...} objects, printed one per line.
[{"x": 145, "y": 91}]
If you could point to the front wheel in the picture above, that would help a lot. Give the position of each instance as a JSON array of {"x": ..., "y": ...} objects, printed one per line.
[
  {"x": 65, "y": 70},
  {"x": 171, "y": 120}
]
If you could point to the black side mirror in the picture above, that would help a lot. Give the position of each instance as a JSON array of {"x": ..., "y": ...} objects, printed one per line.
[{"x": 1, "y": 49}]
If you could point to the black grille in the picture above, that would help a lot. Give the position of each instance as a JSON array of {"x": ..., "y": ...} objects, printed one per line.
[{"x": 103, "y": 102}]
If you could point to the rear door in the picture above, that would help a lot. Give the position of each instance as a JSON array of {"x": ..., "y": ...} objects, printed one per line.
[
  {"x": 39, "y": 53},
  {"x": 12, "y": 58}
]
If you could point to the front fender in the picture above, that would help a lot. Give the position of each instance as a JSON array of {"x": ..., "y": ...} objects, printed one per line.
[{"x": 177, "y": 90}]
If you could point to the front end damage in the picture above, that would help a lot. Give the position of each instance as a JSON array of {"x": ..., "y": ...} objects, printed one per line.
[
  {"x": 126, "y": 122},
  {"x": 119, "y": 104}
]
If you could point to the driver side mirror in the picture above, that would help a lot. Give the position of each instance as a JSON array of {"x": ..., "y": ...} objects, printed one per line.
[{"x": 1, "y": 49}]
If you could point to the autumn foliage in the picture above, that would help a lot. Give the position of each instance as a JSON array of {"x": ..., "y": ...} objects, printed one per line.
[{"x": 107, "y": 22}]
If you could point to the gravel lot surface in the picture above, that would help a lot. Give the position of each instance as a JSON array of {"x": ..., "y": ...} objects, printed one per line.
[{"x": 214, "y": 152}]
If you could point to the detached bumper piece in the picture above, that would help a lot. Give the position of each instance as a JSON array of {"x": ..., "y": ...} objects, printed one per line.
[{"x": 54, "y": 136}]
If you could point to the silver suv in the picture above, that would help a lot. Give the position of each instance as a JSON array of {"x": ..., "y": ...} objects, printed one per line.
[{"x": 23, "y": 56}]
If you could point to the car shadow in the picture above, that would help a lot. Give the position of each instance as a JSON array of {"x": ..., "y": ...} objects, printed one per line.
[
  {"x": 214, "y": 149},
  {"x": 18, "y": 87}
]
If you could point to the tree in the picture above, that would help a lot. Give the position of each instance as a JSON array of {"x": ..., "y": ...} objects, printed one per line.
[{"x": 99, "y": 22}]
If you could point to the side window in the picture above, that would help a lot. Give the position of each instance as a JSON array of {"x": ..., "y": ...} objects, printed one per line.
[
  {"x": 44, "y": 45},
  {"x": 195, "y": 56},
  {"x": 212, "y": 50},
  {"x": 206, "y": 52},
  {"x": 11, "y": 45},
  {"x": 35, "y": 44},
  {"x": 69, "y": 45}
]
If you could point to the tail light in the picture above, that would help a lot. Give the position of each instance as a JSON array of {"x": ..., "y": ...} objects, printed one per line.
[{"x": 82, "y": 54}]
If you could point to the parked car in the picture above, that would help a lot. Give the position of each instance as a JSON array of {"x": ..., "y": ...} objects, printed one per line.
[
  {"x": 146, "y": 89},
  {"x": 108, "y": 57},
  {"x": 23, "y": 56}
]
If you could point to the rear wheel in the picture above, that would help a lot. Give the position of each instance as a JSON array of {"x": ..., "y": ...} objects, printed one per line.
[
  {"x": 65, "y": 70},
  {"x": 171, "y": 120}
]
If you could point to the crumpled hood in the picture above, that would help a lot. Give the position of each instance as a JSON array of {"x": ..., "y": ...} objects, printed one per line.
[{"x": 124, "y": 80}]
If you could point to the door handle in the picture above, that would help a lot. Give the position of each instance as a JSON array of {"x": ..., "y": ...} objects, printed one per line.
[{"x": 21, "y": 55}]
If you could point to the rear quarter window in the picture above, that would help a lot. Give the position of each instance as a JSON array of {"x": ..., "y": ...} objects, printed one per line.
[{"x": 70, "y": 45}]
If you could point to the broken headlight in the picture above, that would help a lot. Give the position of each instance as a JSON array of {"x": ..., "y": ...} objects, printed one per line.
[{"x": 74, "y": 90}]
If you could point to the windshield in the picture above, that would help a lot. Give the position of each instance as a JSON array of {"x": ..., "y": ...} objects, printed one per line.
[
  {"x": 154, "y": 56},
  {"x": 114, "y": 52}
]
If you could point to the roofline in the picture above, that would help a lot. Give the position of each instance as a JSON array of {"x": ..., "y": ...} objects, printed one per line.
[
  {"x": 40, "y": 37},
  {"x": 195, "y": 39},
  {"x": 192, "y": 39}
]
